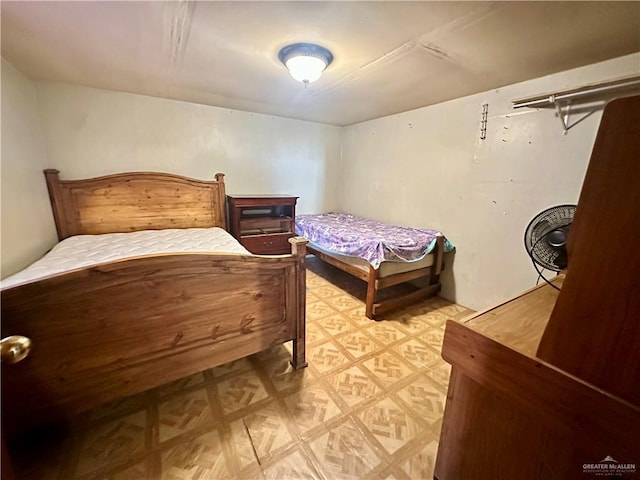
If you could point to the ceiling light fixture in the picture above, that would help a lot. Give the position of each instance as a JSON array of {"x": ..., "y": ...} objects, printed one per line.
[{"x": 305, "y": 61}]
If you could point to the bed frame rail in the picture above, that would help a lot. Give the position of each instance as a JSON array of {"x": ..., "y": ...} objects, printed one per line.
[
  {"x": 116, "y": 329},
  {"x": 375, "y": 307}
]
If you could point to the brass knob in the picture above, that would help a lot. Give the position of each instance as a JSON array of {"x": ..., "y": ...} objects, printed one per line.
[{"x": 15, "y": 348}]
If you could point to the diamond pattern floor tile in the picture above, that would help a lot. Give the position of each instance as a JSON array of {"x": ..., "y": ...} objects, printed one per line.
[
  {"x": 358, "y": 317},
  {"x": 231, "y": 367},
  {"x": 311, "y": 407},
  {"x": 426, "y": 399},
  {"x": 374, "y": 392},
  {"x": 391, "y": 476},
  {"x": 433, "y": 337},
  {"x": 387, "y": 368},
  {"x": 181, "y": 384},
  {"x": 344, "y": 302},
  {"x": 354, "y": 386},
  {"x": 451, "y": 310},
  {"x": 240, "y": 391},
  {"x": 327, "y": 291},
  {"x": 311, "y": 298},
  {"x": 267, "y": 430},
  {"x": 115, "y": 441},
  {"x": 315, "y": 333},
  {"x": 318, "y": 310},
  {"x": 420, "y": 465},
  {"x": 441, "y": 374},
  {"x": 336, "y": 324},
  {"x": 344, "y": 453},
  {"x": 385, "y": 332},
  {"x": 283, "y": 376},
  {"x": 294, "y": 466},
  {"x": 184, "y": 413},
  {"x": 390, "y": 424},
  {"x": 244, "y": 452},
  {"x": 325, "y": 357},
  {"x": 412, "y": 323},
  {"x": 417, "y": 353},
  {"x": 199, "y": 458},
  {"x": 437, "y": 318},
  {"x": 359, "y": 343}
]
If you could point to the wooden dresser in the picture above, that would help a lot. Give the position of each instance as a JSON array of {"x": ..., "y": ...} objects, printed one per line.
[
  {"x": 547, "y": 385},
  {"x": 263, "y": 223}
]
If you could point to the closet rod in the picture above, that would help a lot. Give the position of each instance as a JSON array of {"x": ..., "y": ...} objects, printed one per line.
[{"x": 553, "y": 98}]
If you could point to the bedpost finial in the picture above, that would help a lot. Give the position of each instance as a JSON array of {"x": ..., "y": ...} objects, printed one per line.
[
  {"x": 298, "y": 246},
  {"x": 219, "y": 177}
]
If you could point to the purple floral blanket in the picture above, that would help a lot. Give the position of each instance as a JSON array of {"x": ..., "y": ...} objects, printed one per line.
[{"x": 374, "y": 241}]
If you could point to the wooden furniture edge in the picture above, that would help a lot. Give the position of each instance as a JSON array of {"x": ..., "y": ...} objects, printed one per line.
[
  {"x": 299, "y": 252},
  {"x": 403, "y": 277},
  {"x": 375, "y": 283},
  {"x": 408, "y": 298},
  {"x": 437, "y": 262},
  {"x": 52, "y": 177},
  {"x": 25, "y": 301},
  {"x": 556, "y": 280},
  {"x": 273, "y": 242},
  {"x": 562, "y": 400},
  {"x": 345, "y": 267},
  {"x": 221, "y": 213},
  {"x": 66, "y": 211},
  {"x": 519, "y": 322}
]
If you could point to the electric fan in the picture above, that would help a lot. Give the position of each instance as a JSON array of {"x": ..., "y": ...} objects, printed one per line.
[{"x": 545, "y": 238}]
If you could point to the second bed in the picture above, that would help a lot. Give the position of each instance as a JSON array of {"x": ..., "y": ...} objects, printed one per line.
[{"x": 380, "y": 254}]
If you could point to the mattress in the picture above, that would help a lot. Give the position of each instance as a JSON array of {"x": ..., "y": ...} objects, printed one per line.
[
  {"x": 376, "y": 242},
  {"x": 87, "y": 250}
]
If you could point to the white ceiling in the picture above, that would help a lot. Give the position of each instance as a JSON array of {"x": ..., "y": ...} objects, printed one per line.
[{"x": 390, "y": 57}]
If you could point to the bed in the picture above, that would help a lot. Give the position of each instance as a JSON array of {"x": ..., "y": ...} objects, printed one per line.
[
  {"x": 380, "y": 254},
  {"x": 108, "y": 330}
]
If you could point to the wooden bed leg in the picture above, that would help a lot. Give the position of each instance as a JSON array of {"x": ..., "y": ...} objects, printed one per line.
[
  {"x": 437, "y": 261},
  {"x": 299, "y": 250},
  {"x": 371, "y": 293}
]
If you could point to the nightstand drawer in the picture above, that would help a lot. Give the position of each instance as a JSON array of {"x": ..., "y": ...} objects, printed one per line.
[{"x": 268, "y": 244}]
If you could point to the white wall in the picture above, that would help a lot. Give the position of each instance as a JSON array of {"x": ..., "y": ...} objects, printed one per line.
[
  {"x": 428, "y": 168},
  {"x": 90, "y": 132},
  {"x": 27, "y": 224}
]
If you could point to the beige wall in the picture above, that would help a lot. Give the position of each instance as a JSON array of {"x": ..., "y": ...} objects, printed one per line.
[
  {"x": 27, "y": 223},
  {"x": 90, "y": 132},
  {"x": 428, "y": 168}
]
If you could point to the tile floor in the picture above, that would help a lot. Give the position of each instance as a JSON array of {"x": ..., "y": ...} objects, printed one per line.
[{"x": 368, "y": 406}]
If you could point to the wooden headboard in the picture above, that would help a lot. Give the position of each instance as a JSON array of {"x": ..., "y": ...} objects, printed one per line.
[{"x": 128, "y": 202}]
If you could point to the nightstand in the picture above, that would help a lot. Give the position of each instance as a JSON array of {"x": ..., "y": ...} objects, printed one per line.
[{"x": 263, "y": 224}]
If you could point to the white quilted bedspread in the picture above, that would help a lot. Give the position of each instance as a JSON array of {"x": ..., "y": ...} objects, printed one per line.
[{"x": 85, "y": 250}]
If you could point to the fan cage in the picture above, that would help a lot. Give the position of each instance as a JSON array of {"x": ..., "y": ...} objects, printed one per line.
[{"x": 558, "y": 217}]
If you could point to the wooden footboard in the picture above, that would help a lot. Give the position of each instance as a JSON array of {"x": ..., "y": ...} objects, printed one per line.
[
  {"x": 374, "y": 306},
  {"x": 113, "y": 330}
]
